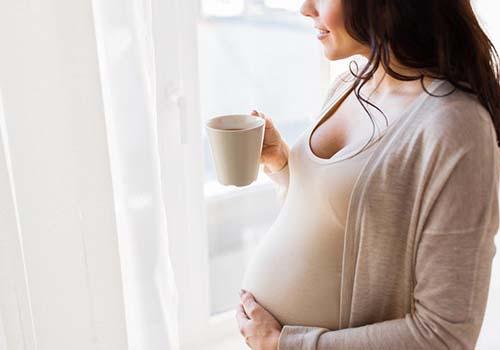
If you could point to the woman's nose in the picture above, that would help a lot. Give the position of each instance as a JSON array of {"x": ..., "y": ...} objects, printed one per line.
[{"x": 307, "y": 9}]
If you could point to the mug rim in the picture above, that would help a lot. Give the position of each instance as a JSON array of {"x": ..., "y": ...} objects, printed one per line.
[{"x": 260, "y": 120}]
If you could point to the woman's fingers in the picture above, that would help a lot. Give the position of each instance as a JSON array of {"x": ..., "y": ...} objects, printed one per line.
[
  {"x": 240, "y": 312},
  {"x": 257, "y": 114},
  {"x": 250, "y": 305},
  {"x": 269, "y": 122},
  {"x": 259, "y": 327},
  {"x": 242, "y": 318}
]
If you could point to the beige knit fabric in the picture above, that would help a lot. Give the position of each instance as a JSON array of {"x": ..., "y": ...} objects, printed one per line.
[{"x": 419, "y": 236}]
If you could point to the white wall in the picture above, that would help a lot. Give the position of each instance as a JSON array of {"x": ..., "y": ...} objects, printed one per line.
[{"x": 54, "y": 155}]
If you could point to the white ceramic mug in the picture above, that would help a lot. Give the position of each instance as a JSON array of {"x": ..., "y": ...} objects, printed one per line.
[{"x": 236, "y": 144}]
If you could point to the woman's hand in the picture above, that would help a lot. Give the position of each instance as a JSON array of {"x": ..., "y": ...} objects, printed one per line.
[
  {"x": 260, "y": 329},
  {"x": 274, "y": 150}
]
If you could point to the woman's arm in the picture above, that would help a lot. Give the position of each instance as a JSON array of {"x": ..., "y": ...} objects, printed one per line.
[
  {"x": 453, "y": 274},
  {"x": 281, "y": 177},
  {"x": 453, "y": 260}
]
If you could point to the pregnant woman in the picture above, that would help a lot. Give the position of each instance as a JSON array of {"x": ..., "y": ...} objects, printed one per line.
[{"x": 385, "y": 238}]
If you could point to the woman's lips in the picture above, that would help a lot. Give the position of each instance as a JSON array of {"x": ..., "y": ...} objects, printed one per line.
[{"x": 322, "y": 34}]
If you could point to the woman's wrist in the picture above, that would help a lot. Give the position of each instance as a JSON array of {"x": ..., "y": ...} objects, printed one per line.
[
  {"x": 278, "y": 167},
  {"x": 276, "y": 340},
  {"x": 282, "y": 160}
]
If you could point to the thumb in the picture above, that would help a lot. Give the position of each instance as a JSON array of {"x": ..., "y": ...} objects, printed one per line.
[
  {"x": 250, "y": 305},
  {"x": 269, "y": 122},
  {"x": 257, "y": 114}
]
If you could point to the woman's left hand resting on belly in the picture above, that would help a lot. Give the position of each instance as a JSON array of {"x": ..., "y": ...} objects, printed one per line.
[{"x": 260, "y": 329}]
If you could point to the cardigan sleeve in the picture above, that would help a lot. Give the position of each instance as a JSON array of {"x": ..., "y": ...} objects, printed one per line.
[{"x": 453, "y": 262}]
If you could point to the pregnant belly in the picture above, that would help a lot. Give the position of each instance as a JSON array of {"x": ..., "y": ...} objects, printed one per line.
[{"x": 295, "y": 272}]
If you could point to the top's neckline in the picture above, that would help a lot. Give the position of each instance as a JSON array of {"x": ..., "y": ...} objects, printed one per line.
[{"x": 341, "y": 154}]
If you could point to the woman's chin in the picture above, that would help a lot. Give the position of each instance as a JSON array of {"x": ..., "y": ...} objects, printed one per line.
[{"x": 334, "y": 54}]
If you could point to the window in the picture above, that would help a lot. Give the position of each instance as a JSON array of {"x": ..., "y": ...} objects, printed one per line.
[
  {"x": 253, "y": 54},
  {"x": 250, "y": 54}
]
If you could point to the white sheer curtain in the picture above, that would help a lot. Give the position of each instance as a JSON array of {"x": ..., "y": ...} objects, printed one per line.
[
  {"x": 124, "y": 30},
  {"x": 84, "y": 253}
]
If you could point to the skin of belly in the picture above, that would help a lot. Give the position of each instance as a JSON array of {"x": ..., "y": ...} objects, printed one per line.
[{"x": 295, "y": 270}]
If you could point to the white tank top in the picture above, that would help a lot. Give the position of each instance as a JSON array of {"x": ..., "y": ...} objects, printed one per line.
[{"x": 295, "y": 272}]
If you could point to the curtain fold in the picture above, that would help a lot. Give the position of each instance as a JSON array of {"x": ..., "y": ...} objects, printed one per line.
[{"x": 124, "y": 32}]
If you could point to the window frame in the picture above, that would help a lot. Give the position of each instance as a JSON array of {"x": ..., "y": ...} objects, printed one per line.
[{"x": 187, "y": 232}]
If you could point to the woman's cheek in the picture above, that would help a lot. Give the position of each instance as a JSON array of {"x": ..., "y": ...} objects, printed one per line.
[{"x": 332, "y": 14}]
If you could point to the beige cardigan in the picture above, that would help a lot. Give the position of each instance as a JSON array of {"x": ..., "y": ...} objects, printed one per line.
[{"x": 420, "y": 229}]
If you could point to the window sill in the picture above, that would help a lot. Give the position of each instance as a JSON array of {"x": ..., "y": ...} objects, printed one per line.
[
  {"x": 233, "y": 342},
  {"x": 223, "y": 335},
  {"x": 214, "y": 190}
]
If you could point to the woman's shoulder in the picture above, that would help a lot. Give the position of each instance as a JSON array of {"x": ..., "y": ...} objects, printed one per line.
[
  {"x": 449, "y": 101},
  {"x": 341, "y": 80},
  {"x": 457, "y": 119}
]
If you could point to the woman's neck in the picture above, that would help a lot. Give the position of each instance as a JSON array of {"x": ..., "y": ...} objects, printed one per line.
[{"x": 382, "y": 83}]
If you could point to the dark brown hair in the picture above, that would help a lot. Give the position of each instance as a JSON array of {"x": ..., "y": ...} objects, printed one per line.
[{"x": 439, "y": 37}]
